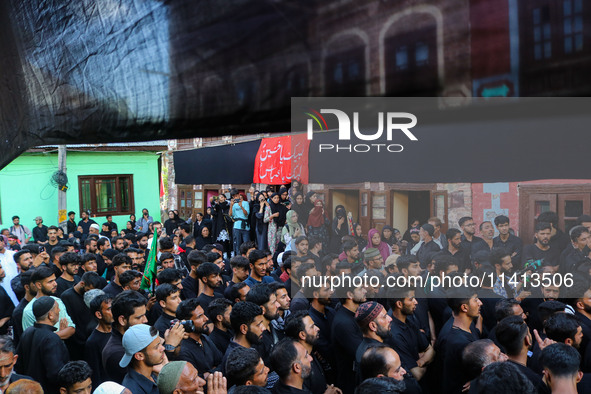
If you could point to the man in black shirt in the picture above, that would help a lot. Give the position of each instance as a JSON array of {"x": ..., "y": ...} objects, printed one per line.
[
  {"x": 245, "y": 367},
  {"x": 454, "y": 247},
  {"x": 240, "y": 271},
  {"x": 219, "y": 311},
  {"x": 262, "y": 295},
  {"x": 322, "y": 315},
  {"x": 75, "y": 377},
  {"x": 40, "y": 231},
  {"x": 429, "y": 246},
  {"x": 465, "y": 306},
  {"x": 507, "y": 240},
  {"x": 17, "y": 313},
  {"x": 561, "y": 368},
  {"x": 578, "y": 252},
  {"x": 8, "y": 359},
  {"x": 121, "y": 263},
  {"x": 209, "y": 276},
  {"x": 513, "y": 334},
  {"x": 292, "y": 362},
  {"x": 6, "y": 305},
  {"x": 300, "y": 327},
  {"x": 100, "y": 307},
  {"x": 41, "y": 351},
  {"x": 248, "y": 326},
  {"x": 468, "y": 227},
  {"x": 85, "y": 223},
  {"x": 197, "y": 349},
  {"x": 81, "y": 316},
  {"x": 374, "y": 323},
  {"x": 558, "y": 239},
  {"x": 191, "y": 287},
  {"x": 541, "y": 250},
  {"x": 169, "y": 298},
  {"x": 70, "y": 263},
  {"x": 143, "y": 350},
  {"x": 128, "y": 309},
  {"x": 408, "y": 341},
  {"x": 346, "y": 336}
]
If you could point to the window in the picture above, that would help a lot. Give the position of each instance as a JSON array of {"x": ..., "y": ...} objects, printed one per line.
[
  {"x": 573, "y": 26},
  {"x": 411, "y": 63},
  {"x": 106, "y": 194},
  {"x": 345, "y": 73}
]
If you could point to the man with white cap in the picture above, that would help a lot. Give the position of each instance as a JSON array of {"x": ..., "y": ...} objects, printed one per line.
[
  {"x": 111, "y": 388},
  {"x": 143, "y": 350}
]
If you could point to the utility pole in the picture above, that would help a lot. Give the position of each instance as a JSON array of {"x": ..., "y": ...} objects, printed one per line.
[{"x": 61, "y": 194}]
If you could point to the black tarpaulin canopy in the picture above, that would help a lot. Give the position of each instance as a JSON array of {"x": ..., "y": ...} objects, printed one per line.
[{"x": 232, "y": 163}]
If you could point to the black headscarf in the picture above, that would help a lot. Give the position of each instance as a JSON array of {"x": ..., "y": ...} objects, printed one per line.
[{"x": 279, "y": 207}]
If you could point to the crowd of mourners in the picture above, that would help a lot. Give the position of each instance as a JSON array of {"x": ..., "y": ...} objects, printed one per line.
[{"x": 230, "y": 311}]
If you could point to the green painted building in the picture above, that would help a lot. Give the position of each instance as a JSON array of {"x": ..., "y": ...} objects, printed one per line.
[{"x": 117, "y": 179}]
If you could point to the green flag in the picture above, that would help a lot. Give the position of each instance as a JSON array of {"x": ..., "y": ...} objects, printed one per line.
[{"x": 149, "y": 276}]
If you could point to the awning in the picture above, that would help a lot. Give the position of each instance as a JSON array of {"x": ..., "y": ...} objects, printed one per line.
[{"x": 233, "y": 163}]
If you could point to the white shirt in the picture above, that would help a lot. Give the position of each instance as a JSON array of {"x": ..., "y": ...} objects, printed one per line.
[{"x": 7, "y": 261}]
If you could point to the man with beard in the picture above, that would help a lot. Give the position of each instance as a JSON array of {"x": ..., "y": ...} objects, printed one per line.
[
  {"x": 85, "y": 223},
  {"x": 41, "y": 352},
  {"x": 209, "y": 276},
  {"x": 283, "y": 311},
  {"x": 24, "y": 261},
  {"x": 410, "y": 343},
  {"x": 454, "y": 248},
  {"x": 428, "y": 247},
  {"x": 323, "y": 315},
  {"x": 246, "y": 368},
  {"x": 514, "y": 335},
  {"x": 500, "y": 259},
  {"x": 129, "y": 309},
  {"x": 100, "y": 308},
  {"x": 300, "y": 327},
  {"x": 248, "y": 326},
  {"x": 43, "y": 279},
  {"x": 346, "y": 334},
  {"x": 8, "y": 359},
  {"x": 263, "y": 296},
  {"x": 564, "y": 328},
  {"x": 468, "y": 227},
  {"x": 375, "y": 325},
  {"x": 258, "y": 268},
  {"x": 143, "y": 350},
  {"x": 541, "y": 250},
  {"x": 487, "y": 231},
  {"x": 197, "y": 349},
  {"x": 219, "y": 311},
  {"x": 118, "y": 243},
  {"x": 70, "y": 263},
  {"x": 465, "y": 307},
  {"x": 292, "y": 363}
]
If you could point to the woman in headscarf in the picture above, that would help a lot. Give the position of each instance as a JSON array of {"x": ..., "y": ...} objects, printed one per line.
[
  {"x": 261, "y": 228},
  {"x": 292, "y": 229},
  {"x": 412, "y": 223},
  {"x": 129, "y": 228},
  {"x": 415, "y": 238},
  {"x": 299, "y": 206},
  {"x": 296, "y": 188},
  {"x": 388, "y": 235},
  {"x": 203, "y": 239},
  {"x": 359, "y": 238},
  {"x": 172, "y": 223},
  {"x": 275, "y": 215},
  {"x": 284, "y": 194},
  {"x": 132, "y": 220},
  {"x": 340, "y": 227},
  {"x": 375, "y": 241},
  {"x": 222, "y": 224},
  {"x": 317, "y": 224},
  {"x": 308, "y": 206}
]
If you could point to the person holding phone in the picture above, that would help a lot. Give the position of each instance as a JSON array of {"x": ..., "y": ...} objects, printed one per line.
[{"x": 143, "y": 223}]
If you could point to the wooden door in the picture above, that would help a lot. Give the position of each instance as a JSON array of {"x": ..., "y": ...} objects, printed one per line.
[{"x": 570, "y": 207}]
